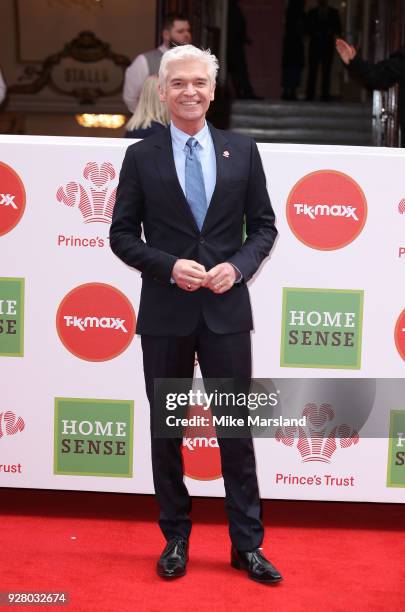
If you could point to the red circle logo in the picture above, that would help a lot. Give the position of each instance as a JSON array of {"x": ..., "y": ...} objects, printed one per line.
[
  {"x": 400, "y": 334},
  {"x": 326, "y": 210},
  {"x": 96, "y": 322},
  {"x": 201, "y": 457},
  {"x": 12, "y": 199}
]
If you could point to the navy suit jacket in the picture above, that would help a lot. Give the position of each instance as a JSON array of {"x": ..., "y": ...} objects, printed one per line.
[{"x": 149, "y": 195}]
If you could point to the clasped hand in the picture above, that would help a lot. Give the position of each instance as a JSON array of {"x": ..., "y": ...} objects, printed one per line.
[{"x": 190, "y": 276}]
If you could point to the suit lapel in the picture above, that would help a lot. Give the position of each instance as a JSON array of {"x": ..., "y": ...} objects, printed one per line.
[
  {"x": 168, "y": 173},
  {"x": 223, "y": 171}
]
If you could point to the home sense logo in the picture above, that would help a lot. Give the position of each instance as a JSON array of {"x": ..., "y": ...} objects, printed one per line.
[
  {"x": 400, "y": 334},
  {"x": 320, "y": 439},
  {"x": 12, "y": 317},
  {"x": 12, "y": 199},
  {"x": 396, "y": 451},
  {"x": 321, "y": 328},
  {"x": 201, "y": 457},
  {"x": 95, "y": 198},
  {"x": 326, "y": 210},
  {"x": 93, "y": 437},
  {"x": 96, "y": 322}
]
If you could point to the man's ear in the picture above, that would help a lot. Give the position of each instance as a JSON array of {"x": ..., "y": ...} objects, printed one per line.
[{"x": 212, "y": 93}]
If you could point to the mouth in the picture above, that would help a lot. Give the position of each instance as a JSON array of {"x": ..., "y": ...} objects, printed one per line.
[{"x": 190, "y": 103}]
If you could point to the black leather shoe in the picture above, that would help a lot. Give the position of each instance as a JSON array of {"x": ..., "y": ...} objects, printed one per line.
[
  {"x": 256, "y": 566},
  {"x": 173, "y": 560}
]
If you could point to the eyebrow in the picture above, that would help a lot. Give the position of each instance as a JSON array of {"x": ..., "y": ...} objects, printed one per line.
[{"x": 184, "y": 78}]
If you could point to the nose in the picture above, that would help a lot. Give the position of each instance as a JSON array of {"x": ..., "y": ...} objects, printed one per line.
[{"x": 190, "y": 89}]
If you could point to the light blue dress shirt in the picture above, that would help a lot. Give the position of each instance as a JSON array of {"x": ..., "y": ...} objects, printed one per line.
[{"x": 206, "y": 153}]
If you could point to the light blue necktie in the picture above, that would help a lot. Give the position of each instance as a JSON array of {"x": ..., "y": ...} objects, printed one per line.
[{"x": 194, "y": 183}]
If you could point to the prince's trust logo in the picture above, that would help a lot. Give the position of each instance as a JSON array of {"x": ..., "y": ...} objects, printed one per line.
[
  {"x": 95, "y": 198},
  {"x": 317, "y": 442}
]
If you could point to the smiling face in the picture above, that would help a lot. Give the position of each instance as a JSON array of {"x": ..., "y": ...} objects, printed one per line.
[{"x": 188, "y": 92}]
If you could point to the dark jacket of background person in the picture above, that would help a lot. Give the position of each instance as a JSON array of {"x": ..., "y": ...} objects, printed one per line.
[
  {"x": 237, "y": 38},
  {"x": 322, "y": 26},
  {"x": 293, "y": 48},
  {"x": 383, "y": 75},
  {"x": 154, "y": 128}
]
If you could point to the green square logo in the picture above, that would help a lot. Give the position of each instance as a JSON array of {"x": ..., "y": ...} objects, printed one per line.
[
  {"x": 12, "y": 317},
  {"x": 321, "y": 328},
  {"x": 93, "y": 437},
  {"x": 396, "y": 450}
]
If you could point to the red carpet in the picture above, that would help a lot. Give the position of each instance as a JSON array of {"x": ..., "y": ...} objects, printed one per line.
[{"x": 333, "y": 556}]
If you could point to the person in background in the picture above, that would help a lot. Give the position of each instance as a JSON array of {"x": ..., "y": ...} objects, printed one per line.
[
  {"x": 381, "y": 75},
  {"x": 176, "y": 31},
  {"x": 235, "y": 54},
  {"x": 323, "y": 25},
  {"x": 151, "y": 114},
  {"x": 293, "y": 49},
  {"x": 3, "y": 88}
]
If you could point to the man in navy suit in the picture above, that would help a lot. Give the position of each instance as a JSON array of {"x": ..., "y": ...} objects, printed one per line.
[{"x": 191, "y": 187}]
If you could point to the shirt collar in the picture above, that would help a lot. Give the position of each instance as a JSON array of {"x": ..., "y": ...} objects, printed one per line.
[
  {"x": 180, "y": 138},
  {"x": 163, "y": 48}
]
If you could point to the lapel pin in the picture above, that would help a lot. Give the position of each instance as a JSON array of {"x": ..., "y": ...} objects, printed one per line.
[{"x": 225, "y": 154}]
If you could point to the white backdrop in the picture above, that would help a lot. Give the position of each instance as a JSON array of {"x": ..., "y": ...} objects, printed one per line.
[{"x": 37, "y": 250}]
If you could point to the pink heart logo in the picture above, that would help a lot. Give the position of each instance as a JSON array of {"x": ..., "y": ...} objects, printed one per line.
[
  {"x": 286, "y": 435},
  {"x": 318, "y": 416},
  {"x": 97, "y": 175},
  {"x": 68, "y": 197},
  {"x": 10, "y": 424},
  {"x": 348, "y": 436}
]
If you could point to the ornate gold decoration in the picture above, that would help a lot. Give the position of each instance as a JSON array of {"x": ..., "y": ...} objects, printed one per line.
[{"x": 91, "y": 70}]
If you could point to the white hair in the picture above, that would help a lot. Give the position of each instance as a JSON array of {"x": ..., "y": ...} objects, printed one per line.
[{"x": 183, "y": 52}]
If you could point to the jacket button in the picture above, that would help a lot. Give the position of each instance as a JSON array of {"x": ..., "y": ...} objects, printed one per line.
[{"x": 202, "y": 240}]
